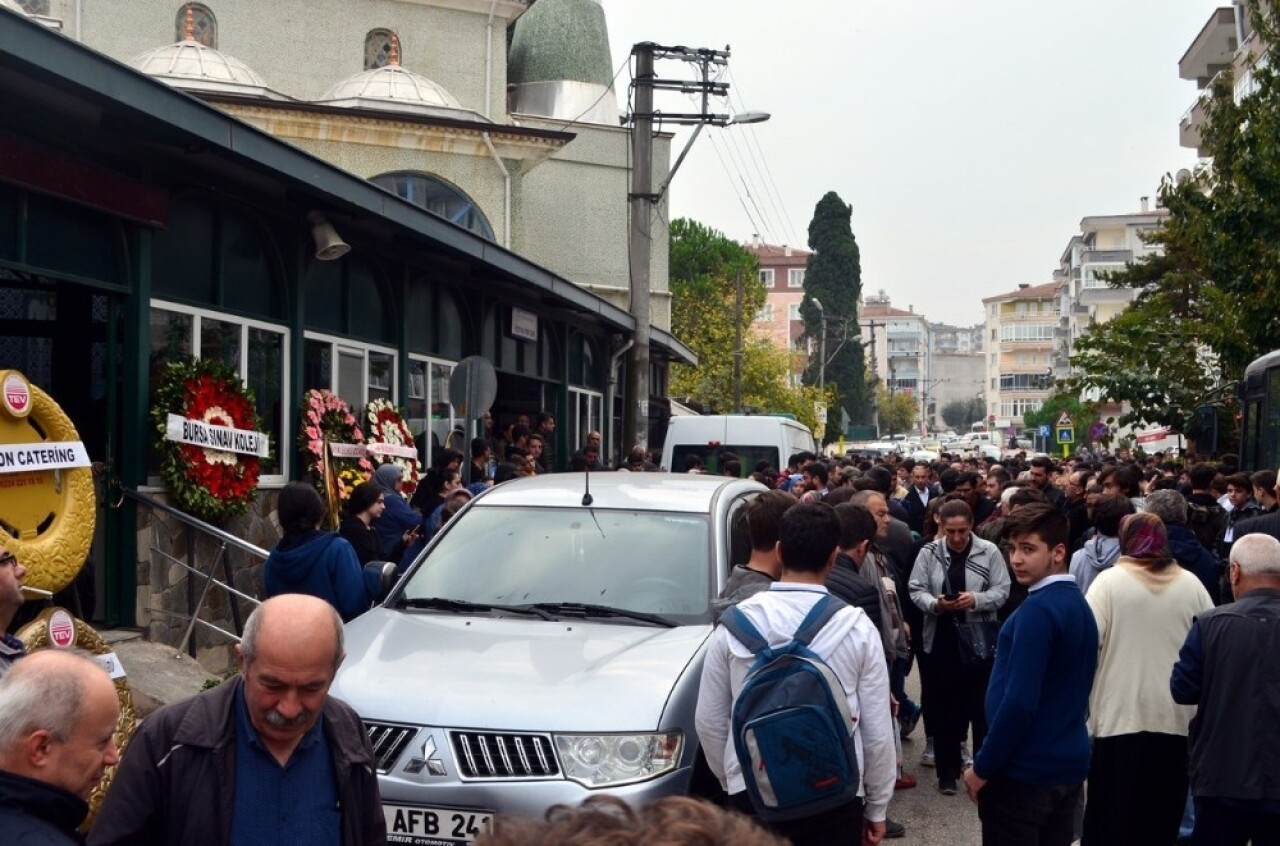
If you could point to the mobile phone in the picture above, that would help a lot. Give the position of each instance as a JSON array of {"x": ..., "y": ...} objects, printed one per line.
[{"x": 951, "y": 597}]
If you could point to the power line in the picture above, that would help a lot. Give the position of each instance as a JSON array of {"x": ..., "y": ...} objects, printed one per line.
[
  {"x": 749, "y": 186},
  {"x": 736, "y": 90},
  {"x": 755, "y": 226},
  {"x": 626, "y": 63}
]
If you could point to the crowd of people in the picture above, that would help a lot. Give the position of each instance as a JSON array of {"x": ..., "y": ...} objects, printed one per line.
[
  {"x": 1072, "y": 623},
  {"x": 1077, "y": 621}
]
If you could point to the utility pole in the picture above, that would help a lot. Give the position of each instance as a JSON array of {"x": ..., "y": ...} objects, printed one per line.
[
  {"x": 643, "y": 198},
  {"x": 737, "y": 345}
]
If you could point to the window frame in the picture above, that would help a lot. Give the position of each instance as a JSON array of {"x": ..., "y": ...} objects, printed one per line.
[
  {"x": 766, "y": 277},
  {"x": 284, "y": 440},
  {"x": 454, "y": 421},
  {"x": 795, "y": 277},
  {"x": 337, "y": 344}
]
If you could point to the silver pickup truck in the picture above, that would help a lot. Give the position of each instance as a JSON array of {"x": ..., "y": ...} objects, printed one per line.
[{"x": 546, "y": 646}]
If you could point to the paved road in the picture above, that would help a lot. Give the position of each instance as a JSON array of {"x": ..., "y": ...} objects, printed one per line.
[{"x": 930, "y": 817}]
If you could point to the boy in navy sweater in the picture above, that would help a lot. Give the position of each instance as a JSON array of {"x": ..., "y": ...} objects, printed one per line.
[{"x": 1028, "y": 776}]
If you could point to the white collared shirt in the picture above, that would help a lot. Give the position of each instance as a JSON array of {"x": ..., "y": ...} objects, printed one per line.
[{"x": 1048, "y": 580}]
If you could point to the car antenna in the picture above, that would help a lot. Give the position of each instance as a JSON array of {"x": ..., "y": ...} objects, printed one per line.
[{"x": 586, "y": 494}]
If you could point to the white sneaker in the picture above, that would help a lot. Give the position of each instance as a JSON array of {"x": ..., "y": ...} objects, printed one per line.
[
  {"x": 928, "y": 759},
  {"x": 965, "y": 758}
]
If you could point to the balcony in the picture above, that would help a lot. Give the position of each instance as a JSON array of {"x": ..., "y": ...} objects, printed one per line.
[
  {"x": 1106, "y": 257},
  {"x": 1212, "y": 49},
  {"x": 1189, "y": 127}
]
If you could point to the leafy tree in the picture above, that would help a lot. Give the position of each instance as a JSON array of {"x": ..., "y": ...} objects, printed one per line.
[
  {"x": 961, "y": 413},
  {"x": 1210, "y": 303},
  {"x": 1083, "y": 415},
  {"x": 833, "y": 276},
  {"x": 705, "y": 266},
  {"x": 897, "y": 410}
]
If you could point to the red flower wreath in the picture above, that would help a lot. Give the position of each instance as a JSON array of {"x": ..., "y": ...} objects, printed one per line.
[{"x": 212, "y": 484}]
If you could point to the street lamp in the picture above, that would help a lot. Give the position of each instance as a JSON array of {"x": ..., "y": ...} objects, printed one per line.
[{"x": 822, "y": 346}]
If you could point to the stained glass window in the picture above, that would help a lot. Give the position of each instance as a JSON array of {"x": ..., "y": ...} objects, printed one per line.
[
  {"x": 377, "y": 48},
  {"x": 204, "y": 27}
]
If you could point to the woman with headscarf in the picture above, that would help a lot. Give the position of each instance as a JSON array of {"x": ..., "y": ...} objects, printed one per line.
[
  {"x": 1144, "y": 605},
  {"x": 398, "y": 525}
]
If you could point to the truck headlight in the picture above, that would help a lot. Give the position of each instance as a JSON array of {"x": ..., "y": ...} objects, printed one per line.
[{"x": 609, "y": 760}]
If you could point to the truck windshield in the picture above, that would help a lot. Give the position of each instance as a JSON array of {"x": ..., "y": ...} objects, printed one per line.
[{"x": 649, "y": 561}]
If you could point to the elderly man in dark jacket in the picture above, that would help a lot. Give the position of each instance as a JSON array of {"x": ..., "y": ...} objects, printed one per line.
[
  {"x": 57, "y": 737},
  {"x": 220, "y": 768}
]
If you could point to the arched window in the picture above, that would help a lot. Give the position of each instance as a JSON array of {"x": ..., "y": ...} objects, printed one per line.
[
  {"x": 204, "y": 27},
  {"x": 35, "y": 7},
  {"x": 377, "y": 48},
  {"x": 438, "y": 197}
]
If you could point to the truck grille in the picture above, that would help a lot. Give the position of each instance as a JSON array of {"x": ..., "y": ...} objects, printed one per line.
[
  {"x": 388, "y": 742},
  {"x": 501, "y": 755}
]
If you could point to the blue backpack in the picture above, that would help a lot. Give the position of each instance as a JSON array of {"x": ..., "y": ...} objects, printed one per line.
[{"x": 791, "y": 726}]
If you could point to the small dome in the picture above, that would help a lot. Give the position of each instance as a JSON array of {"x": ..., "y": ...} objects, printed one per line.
[
  {"x": 390, "y": 87},
  {"x": 192, "y": 60},
  {"x": 191, "y": 66}
]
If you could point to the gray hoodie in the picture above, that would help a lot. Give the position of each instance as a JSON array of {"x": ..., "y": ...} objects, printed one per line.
[
  {"x": 1097, "y": 554},
  {"x": 743, "y": 582}
]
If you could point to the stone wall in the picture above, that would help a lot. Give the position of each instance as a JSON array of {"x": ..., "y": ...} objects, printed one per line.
[{"x": 167, "y": 591}]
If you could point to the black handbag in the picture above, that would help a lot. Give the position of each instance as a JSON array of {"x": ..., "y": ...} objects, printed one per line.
[{"x": 976, "y": 641}]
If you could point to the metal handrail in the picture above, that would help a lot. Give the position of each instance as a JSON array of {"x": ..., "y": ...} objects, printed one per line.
[
  {"x": 197, "y": 523},
  {"x": 194, "y": 605}
]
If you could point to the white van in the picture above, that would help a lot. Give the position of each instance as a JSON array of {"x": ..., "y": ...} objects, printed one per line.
[{"x": 752, "y": 438}]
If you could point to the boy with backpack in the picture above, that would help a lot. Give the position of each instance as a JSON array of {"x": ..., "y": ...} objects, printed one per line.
[{"x": 794, "y": 686}]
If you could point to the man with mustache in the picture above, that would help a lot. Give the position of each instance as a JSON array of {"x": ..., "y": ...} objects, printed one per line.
[
  {"x": 56, "y": 739},
  {"x": 265, "y": 757}
]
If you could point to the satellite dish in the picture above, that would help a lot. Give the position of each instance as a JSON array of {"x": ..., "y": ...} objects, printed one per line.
[{"x": 1183, "y": 176}]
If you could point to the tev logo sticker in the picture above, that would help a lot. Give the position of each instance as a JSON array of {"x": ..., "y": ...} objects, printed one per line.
[
  {"x": 15, "y": 392},
  {"x": 62, "y": 629}
]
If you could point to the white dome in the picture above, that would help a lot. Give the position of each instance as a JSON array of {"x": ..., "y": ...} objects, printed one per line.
[
  {"x": 192, "y": 66},
  {"x": 391, "y": 87}
]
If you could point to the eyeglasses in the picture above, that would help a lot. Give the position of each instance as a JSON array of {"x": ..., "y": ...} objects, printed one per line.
[{"x": 7, "y": 559}]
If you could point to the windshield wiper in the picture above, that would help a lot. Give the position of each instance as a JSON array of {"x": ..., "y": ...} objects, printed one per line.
[
  {"x": 440, "y": 603},
  {"x": 589, "y": 610}
]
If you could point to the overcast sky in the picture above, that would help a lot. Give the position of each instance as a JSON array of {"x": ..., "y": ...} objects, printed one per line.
[{"x": 970, "y": 138}]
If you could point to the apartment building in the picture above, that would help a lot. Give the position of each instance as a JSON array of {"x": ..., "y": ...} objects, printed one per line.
[
  {"x": 1104, "y": 245},
  {"x": 1020, "y": 334},
  {"x": 1225, "y": 41},
  {"x": 782, "y": 274},
  {"x": 897, "y": 345},
  {"x": 945, "y": 339}
]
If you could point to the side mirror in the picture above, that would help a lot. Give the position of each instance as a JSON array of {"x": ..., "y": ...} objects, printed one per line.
[{"x": 383, "y": 574}]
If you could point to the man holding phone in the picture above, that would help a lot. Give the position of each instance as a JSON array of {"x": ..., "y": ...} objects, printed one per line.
[{"x": 958, "y": 580}]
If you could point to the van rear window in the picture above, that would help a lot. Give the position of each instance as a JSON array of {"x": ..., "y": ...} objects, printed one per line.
[{"x": 713, "y": 458}]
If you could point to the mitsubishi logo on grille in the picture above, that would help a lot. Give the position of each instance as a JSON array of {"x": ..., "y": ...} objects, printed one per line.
[{"x": 428, "y": 759}]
